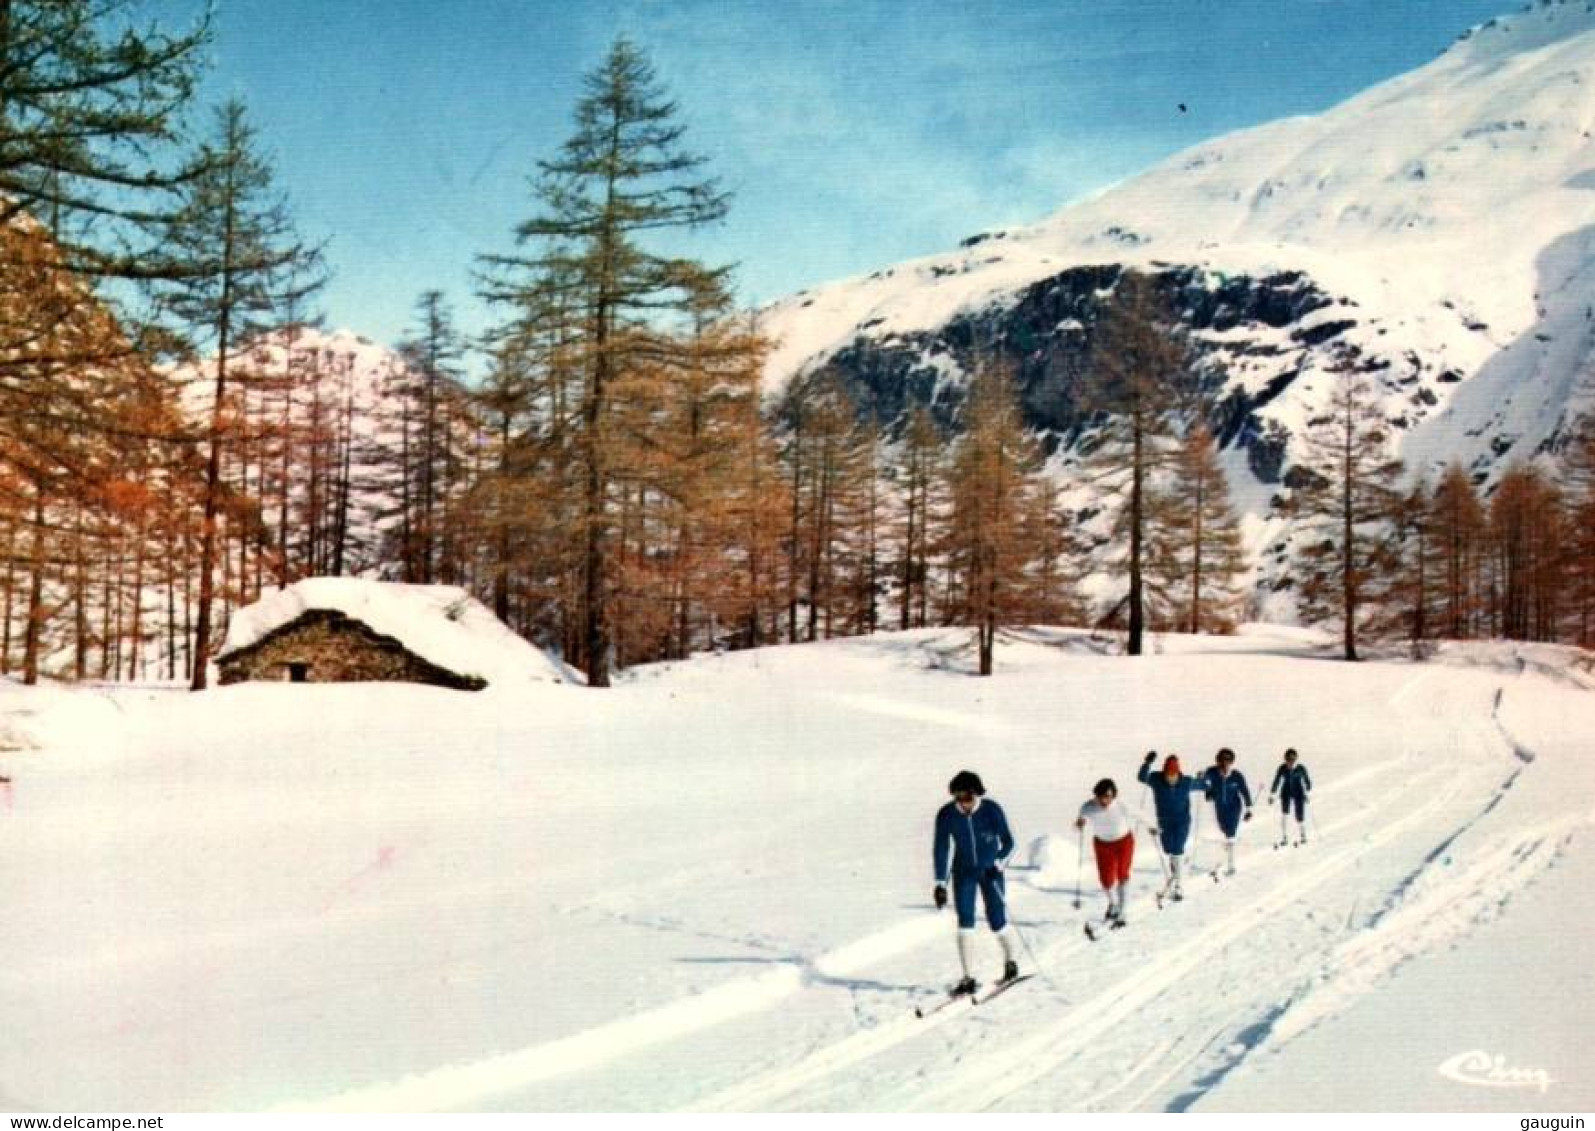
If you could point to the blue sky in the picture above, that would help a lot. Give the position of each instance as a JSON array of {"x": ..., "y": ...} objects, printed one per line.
[{"x": 852, "y": 133}]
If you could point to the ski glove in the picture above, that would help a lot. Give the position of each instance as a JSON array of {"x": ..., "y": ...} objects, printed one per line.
[
  {"x": 1248, "y": 815},
  {"x": 1151, "y": 756},
  {"x": 940, "y": 896}
]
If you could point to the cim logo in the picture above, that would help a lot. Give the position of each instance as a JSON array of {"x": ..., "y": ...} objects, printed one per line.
[{"x": 1480, "y": 1069}]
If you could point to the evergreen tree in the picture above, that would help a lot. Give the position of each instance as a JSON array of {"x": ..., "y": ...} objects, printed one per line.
[
  {"x": 622, "y": 176},
  {"x": 243, "y": 265}
]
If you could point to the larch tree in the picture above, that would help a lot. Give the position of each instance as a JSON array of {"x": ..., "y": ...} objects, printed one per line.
[
  {"x": 91, "y": 105},
  {"x": 993, "y": 476},
  {"x": 243, "y": 265},
  {"x": 1138, "y": 386},
  {"x": 1205, "y": 538},
  {"x": 431, "y": 406},
  {"x": 916, "y": 473},
  {"x": 1345, "y": 501},
  {"x": 1579, "y": 464},
  {"x": 1526, "y": 536},
  {"x": 1456, "y": 521},
  {"x": 829, "y": 462},
  {"x": 622, "y": 177}
]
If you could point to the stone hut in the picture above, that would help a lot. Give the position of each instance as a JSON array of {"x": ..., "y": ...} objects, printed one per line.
[{"x": 337, "y": 629}]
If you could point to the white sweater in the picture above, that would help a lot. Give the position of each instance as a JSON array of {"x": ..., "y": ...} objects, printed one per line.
[{"x": 1110, "y": 823}]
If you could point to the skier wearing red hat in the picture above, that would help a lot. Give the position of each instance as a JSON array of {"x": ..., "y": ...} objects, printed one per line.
[{"x": 1171, "y": 796}]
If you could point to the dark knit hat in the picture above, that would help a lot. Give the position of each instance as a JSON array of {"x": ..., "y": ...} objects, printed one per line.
[
  {"x": 966, "y": 781},
  {"x": 1104, "y": 786},
  {"x": 1291, "y": 752},
  {"x": 1225, "y": 754}
]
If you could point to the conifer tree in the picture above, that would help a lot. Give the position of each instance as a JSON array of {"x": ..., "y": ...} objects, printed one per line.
[
  {"x": 993, "y": 478},
  {"x": 1580, "y": 530},
  {"x": 917, "y": 473},
  {"x": 1138, "y": 386},
  {"x": 1525, "y": 517},
  {"x": 91, "y": 107},
  {"x": 243, "y": 265},
  {"x": 1206, "y": 541},
  {"x": 1456, "y": 521},
  {"x": 622, "y": 176},
  {"x": 1345, "y": 501}
]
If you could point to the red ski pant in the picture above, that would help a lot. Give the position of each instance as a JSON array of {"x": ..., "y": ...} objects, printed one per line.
[{"x": 1113, "y": 859}]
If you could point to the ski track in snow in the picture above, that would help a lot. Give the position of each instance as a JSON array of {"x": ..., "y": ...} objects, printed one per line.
[
  {"x": 978, "y": 1080},
  {"x": 765, "y": 1090},
  {"x": 1422, "y": 845},
  {"x": 1426, "y": 908}
]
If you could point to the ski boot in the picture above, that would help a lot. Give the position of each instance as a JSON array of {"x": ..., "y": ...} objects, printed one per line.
[
  {"x": 965, "y": 988},
  {"x": 1010, "y": 971}
]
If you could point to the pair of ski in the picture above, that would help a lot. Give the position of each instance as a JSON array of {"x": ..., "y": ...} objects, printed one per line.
[
  {"x": 1167, "y": 892},
  {"x": 1093, "y": 931},
  {"x": 976, "y": 998}
]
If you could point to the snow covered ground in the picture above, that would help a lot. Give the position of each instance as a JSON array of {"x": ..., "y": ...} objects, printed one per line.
[{"x": 708, "y": 888}]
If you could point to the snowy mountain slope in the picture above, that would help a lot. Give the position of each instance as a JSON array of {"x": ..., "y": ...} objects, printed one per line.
[
  {"x": 709, "y": 889},
  {"x": 1434, "y": 231}
]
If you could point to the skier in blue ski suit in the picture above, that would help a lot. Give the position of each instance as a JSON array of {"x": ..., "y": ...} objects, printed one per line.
[
  {"x": 1293, "y": 784},
  {"x": 1171, "y": 797},
  {"x": 1227, "y": 790},
  {"x": 971, "y": 846}
]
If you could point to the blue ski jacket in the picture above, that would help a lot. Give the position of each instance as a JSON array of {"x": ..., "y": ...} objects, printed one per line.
[
  {"x": 1173, "y": 802},
  {"x": 978, "y": 840},
  {"x": 1227, "y": 793},
  {"x": 1293, "y": 782}
]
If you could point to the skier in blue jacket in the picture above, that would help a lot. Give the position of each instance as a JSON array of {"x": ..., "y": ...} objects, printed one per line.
[
  {"x": 970, "y": 850},
  {"x": 1293, "y": 785},
  {"x": 1171, "y": 797},
  {"x": 1227, "y": 790}
]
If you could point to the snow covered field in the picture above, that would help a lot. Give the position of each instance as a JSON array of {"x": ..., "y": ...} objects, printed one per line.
[{"x": 709, "y": 888}]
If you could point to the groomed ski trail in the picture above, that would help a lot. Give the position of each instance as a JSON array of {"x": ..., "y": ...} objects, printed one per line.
[{"x": 767, "y": 1089}]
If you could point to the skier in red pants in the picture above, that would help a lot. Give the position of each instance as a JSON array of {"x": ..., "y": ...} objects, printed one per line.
[{"x": 1114, "y": 842}]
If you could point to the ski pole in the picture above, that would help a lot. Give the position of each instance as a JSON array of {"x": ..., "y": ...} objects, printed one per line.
[
  {"x": 1025, "y": 942},
  {"x": 1079, "y": 867},
  {"x": 1157, "y": 843},
  {"x": 1162, "y": 861}
]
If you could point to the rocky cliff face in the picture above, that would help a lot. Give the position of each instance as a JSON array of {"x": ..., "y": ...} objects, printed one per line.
[
  {"x": 1270, "y": 329},
  {"x": 1436, "y": 233}
]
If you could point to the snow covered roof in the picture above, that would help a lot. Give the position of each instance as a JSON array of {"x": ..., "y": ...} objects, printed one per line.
[{"x": 442, "y": 624}]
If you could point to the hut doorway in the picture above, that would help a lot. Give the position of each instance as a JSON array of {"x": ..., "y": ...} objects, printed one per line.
[{"x": 299, "y": 672}]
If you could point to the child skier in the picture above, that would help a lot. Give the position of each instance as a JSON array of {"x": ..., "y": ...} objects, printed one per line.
[
  {"x": 1114, "y": 843},
  {"x": 977, "y": 831},
  {"x": 1293, "y": 785},
  {"x": 1171, "y": 797},
  {"x": 1227, "y": 790}
]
